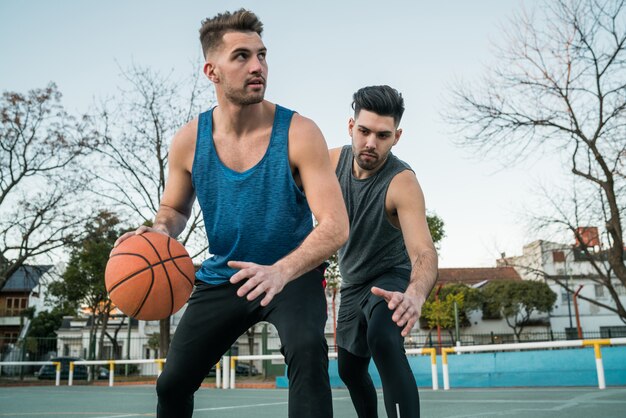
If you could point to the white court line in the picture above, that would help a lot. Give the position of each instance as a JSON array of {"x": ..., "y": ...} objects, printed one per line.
[
  {"x": 221, "y": 408},
  {"x": 66, "y": 414},
  {"x": 129, "y": 415},
  {"x": 496, "y": 401},
  {"x": 584, "y": 399}
]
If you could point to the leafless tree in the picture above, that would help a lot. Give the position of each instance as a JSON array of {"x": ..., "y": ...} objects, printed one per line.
[
  {"x": 40, "y": 177},
  {"x": 136, "y": 129},
  {"x": 560, "y": 86}
]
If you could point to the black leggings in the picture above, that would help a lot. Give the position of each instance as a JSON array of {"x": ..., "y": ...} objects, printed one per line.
[
  {"x": 387, "y": 348},
  {"x": 216, "y": 317}
]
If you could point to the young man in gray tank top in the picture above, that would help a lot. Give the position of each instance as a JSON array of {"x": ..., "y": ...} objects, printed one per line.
[
  {"x": 260, "y": 269},
  {"x": 389, "y": 263}
]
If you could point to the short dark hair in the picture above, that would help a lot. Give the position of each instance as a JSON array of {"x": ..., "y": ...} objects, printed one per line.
[
  {"x": 382, "y": 100},
  {"x": 214, "y": 28}
]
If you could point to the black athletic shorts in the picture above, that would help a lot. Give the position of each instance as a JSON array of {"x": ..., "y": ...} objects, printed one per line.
[{"x": 357, "y": 303}]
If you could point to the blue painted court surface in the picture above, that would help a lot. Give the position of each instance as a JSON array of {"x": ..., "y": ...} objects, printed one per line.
[{"x": 140, "y": 401}]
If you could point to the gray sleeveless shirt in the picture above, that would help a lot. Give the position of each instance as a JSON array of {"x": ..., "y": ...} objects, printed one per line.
[{"x": 375, "y": 245}]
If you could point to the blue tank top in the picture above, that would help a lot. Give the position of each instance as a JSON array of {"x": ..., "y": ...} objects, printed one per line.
[{"x": 259, "y": 215}]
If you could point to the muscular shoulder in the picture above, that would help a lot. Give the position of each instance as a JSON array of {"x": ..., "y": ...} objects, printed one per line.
[
  {"x": 304, "y": 129},
  {"x": 305, "y": 139},
  {"x": 186, "y": 135},
  {"x": 184, "y": 145},
  {"x": 404, "y": 189}
]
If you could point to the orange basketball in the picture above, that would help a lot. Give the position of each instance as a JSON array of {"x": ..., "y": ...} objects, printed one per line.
[{"x": 149, "y": 276}]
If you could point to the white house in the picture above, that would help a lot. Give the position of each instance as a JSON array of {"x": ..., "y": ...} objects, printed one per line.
[{"x": 565, "y": 263}]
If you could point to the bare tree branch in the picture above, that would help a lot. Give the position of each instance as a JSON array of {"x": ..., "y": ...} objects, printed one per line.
[
  {"x": 40, "y": 180},
  {"x": 560, "y": 85}
]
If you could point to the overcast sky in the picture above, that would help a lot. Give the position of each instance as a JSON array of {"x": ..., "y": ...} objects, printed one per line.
[{"x": 319, "y": 53}]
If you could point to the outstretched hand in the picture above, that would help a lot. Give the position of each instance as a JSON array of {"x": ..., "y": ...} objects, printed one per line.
[
  {"x": 406, "y": 307},
  {"x": 260, "y": 279}
]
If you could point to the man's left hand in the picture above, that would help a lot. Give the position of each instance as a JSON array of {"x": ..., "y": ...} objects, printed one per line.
[
  {"x": 260, "y": 279},
  {"x": 406, "y": 307}
]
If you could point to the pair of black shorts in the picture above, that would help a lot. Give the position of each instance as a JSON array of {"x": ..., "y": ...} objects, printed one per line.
[{"x": 357, "y": 303}]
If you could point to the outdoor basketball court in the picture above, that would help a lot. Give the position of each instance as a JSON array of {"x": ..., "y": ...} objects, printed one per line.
[{"x": 140, "y": 401}]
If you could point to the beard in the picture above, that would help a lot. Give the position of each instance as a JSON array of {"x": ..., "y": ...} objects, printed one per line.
[
  {"x": 374, "y": 161},
  {"x": 243, "y": 97}
]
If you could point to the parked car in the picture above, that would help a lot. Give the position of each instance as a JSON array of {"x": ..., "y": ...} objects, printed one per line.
[
  {"x": 243, "y": 369},
  {"x": 48, "y": 371},
  {"x": 212, "y": 372}
]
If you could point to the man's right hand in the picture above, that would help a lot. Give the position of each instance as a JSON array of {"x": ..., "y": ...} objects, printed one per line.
[{"x": 139, "y": 231}]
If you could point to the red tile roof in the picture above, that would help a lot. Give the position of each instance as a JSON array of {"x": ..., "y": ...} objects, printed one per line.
[{"x": 470, "y": 276}]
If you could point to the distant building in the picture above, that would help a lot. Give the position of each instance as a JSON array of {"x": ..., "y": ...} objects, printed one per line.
[
  {"x": 25, "y": 289},
  {"x": 557, "y": 263},
  {"x": 476, "y": 276}
]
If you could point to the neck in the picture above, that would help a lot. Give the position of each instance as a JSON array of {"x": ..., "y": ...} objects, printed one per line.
[{"x": 241, "y": 119}]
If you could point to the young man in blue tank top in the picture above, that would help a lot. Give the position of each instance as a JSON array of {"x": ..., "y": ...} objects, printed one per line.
[
  {"x": 259, "y": 171},
  {"x": 389, "y": 263}
]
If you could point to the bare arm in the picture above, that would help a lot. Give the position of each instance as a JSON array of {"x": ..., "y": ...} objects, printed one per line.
[
  {"x": 309, "y": 154},
  {"x": 334, "y": 154},
  {"x": 406, "y": 197},
  {"x": 178, "y": 196}
]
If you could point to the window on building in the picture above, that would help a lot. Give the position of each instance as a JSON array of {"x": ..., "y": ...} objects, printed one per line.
[
  {"x": 8, "y": 338},
  {"x": 599, "y": 290},
  {"x": 620, "y": 289},
  {"x": 15, "y": 305},
  {"x": 558, "y": 256},
  {"x": 565, "y": 295}
]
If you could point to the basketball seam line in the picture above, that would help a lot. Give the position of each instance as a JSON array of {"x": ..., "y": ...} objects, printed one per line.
[
  {"x": 152, "y": 272},
  {"x": 136, "y": 311},
  {"x": 160, "y": 263},
  {"x": 180, "y": 271},
  {"x": 151, "y": 268}
]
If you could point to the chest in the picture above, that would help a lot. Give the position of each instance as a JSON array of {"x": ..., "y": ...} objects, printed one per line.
[
  {"x": 370, "y": 201},
  {"x": 241, "y": 154}
]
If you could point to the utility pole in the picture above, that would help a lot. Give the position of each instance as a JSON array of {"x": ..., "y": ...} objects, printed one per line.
[
  {"x": 568, "y": 276},
  {"x": 128, "y": 345},
  {"x": 456, "y": 324}
]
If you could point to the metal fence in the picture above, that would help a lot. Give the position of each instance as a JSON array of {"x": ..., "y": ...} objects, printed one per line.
[{"x": 44, "y": 349}]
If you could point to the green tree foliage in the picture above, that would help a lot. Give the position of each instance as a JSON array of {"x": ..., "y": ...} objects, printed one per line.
[
  {"x": 82, "y": 284},
  {"x": 41, "y": 334},
  {"x": 45, "y": 323},
  {"x": 516, "y": 301},
  {"x": 436, "y": 227},
  {"x": 439, "y": 308},
  {"x": 440, "y": 312}
]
